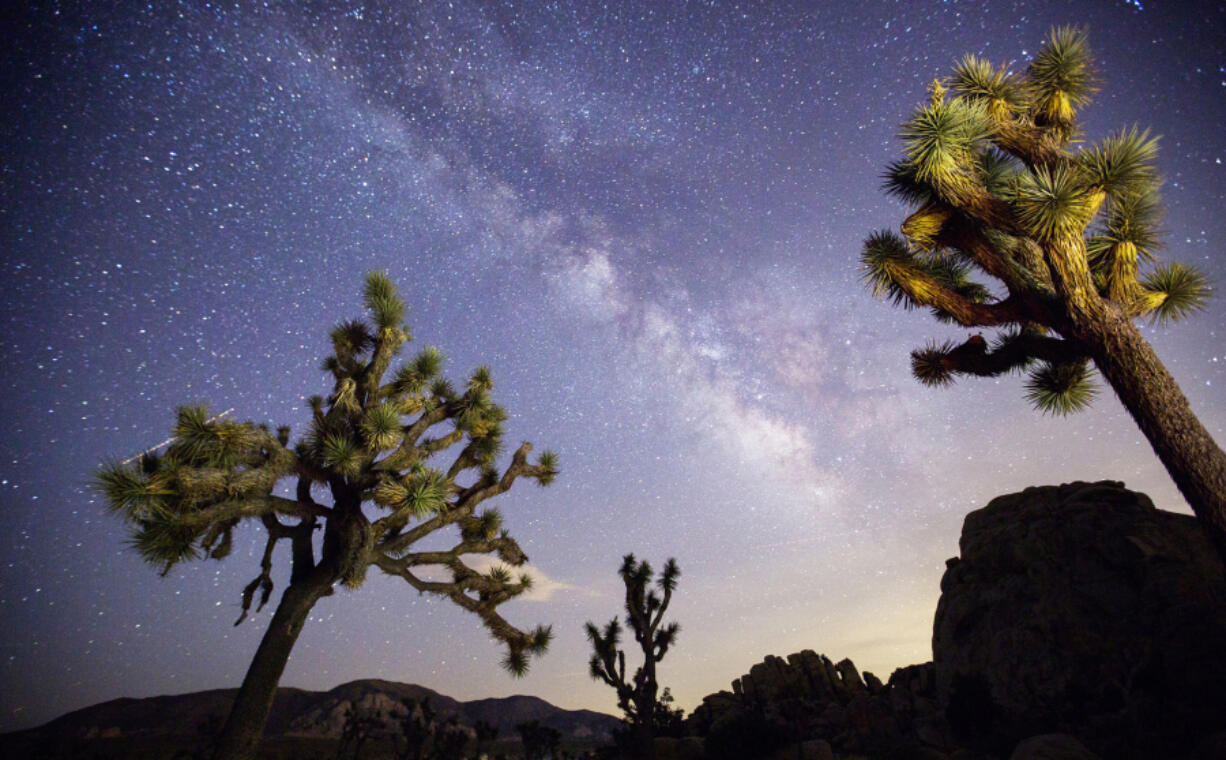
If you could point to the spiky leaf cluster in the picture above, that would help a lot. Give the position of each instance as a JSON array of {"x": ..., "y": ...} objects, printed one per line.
[
  {"x": 184, "y": 503},
  {"x": 402, "y": 453},
  {"x": 1003, "y": 201}
]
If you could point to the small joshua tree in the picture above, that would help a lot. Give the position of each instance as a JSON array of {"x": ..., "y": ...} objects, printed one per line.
[
  {"x": 638, "y": 697},
  {"x": 998, "y": 190},
  {"x": 371, "y": 446}
]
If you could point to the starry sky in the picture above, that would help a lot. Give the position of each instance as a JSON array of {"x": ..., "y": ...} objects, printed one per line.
[{"x": 645, "y": 217}]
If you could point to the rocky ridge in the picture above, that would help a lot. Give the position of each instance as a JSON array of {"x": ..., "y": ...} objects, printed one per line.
[
  {"x": 1078, "y": 622},
  {"x": 302, "y": 723}
]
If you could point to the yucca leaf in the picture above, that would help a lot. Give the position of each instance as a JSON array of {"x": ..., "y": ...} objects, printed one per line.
[
  {"x": 1133, "y": 219},
  {"x": 977, "y": 79},
  {"x": 670, "y": 574},
  {"x": 442, "y": 389},
  {"x": 491, "y": 523},
  {"x": 900, "y": 181},
  {"x": 163, "y": 542},
  {"x": 428, "y": 362},
  {"x": 427, "y": 492},
  {"x": 924, "y": 225},
  {"x": 133, "y": 494},
  {"x": 381, "y": 424},
  {"x": 381, "y": 298},
  {"x": 487, "y": 447},
  {"x": 1060, "y": 389},
  {"x": 1061, "y": 78},
  {"x": 998, "y": 171},
  {"x": 539, "y": 639},
  {"x": 351, "y": 338},
  {"x": 939, "y": 137},
  {"x": 498, "y": 574},
  {"x": 515, "y": 662},
  {"x": 480, "y": 379},
  {"x": 884, "y": 254},
  {"x": 1051, "y": 202},
  {"x": 408, "y": 381},
  {"x": 391, "y": 493},
  {"x": 473, "y": 406},
  {"x": 930, "y": 364},
  {"x": 1184, "y": 290},
  {"x": 341, "y": 453},
  {"x": 194, "y": 440},
  {"x": 1122, "y": 164},
  {"x": 549, "y": 462}
]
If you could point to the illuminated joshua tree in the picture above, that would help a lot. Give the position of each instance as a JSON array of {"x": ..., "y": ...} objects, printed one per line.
[
  {"x": 370, "y": 447},
  {"x": 637, "y": 697},
  {"x": 998, "y": 190}
]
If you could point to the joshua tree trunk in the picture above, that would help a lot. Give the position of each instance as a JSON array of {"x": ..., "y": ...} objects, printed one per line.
[
  {"x": 645, "y": 728},
  {"x": 1149, "y": 393},
  {"x": 644, "y": 738},
  {"x": 240, "y": 738}
]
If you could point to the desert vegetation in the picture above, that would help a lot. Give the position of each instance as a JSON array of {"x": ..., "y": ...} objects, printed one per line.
[
  {"x": 368, "y": 447},
  {"x": 999, "y": 188}
]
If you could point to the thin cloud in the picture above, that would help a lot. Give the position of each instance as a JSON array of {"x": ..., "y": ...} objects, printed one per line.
[{"x": 543, "y": 587}]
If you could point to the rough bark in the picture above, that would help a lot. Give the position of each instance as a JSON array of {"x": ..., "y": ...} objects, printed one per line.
[
  {"x": 1194, "y": 460},
  {"x": 240, "y": 737},
  {"x": 645, "y": 728}
]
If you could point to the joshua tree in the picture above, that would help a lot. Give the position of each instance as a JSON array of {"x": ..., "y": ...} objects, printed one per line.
[
  {"x": 997, "y": 189},
  {"x": 637, "y": 698},
  {"x": 369, "y": 447}
]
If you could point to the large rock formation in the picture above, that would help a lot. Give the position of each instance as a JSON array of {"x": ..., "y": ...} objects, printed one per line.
[
  {"x": 1082, "y": 609},
  {"x": 1079, "y": 621},
  {"x": 807, "y": 697}
]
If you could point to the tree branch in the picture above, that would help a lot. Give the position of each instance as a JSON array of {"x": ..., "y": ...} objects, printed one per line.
[{"x": 937, "y": 364}]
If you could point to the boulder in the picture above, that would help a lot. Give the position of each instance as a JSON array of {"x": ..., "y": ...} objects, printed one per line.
[
  {"x": 810, "y": 698},
  {"x": 1082, "y": 609}
]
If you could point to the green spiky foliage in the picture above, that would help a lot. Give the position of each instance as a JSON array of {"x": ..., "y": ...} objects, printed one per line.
[
  {"x": 1014, "y": 224},
  {"x": 999, "y": 191},
  {"x": 645, "y": 606},
  {"x": 385, "y": 465}
]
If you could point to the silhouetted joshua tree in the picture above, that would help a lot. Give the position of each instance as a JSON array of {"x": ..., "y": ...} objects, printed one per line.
[
  {"x": 998, "y": 190},
  {"x": 369, "y": 446},
  {"x": 638, "y": 697}
]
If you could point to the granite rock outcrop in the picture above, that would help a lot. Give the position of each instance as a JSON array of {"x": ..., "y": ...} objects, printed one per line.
[
  {"x": 1079, "y": 621},
  {"x": 1082, "y": 609}
]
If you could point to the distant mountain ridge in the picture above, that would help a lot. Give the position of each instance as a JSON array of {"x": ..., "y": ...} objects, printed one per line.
[{"x": 297, "y": 715}]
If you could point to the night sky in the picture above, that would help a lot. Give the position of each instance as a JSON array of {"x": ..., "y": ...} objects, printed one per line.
[{"x": 644, "y": 217}]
